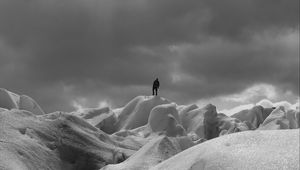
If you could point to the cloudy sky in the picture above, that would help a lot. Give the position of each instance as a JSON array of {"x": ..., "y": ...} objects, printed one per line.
[{"x": 65, "y": 53}]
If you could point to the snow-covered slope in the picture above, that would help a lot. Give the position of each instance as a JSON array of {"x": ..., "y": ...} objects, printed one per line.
[
  {"x": 154, "y": 152},
  {"x": 102, "y": 118},
  {"x": 150, "y": 132},
  {"x": 266, "y": 150},
  {"x": 54, "y": 141},
  {"x": 136, "y": 112}
]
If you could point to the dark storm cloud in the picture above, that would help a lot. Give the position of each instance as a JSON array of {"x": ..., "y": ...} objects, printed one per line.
[
  {"x": 56, "y": 51},
  {"x": 233, "y": 18},
  {"x": 267, "y": 58}
]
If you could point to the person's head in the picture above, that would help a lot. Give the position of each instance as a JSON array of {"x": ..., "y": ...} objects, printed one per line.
[{"x": 156, "y": 78}]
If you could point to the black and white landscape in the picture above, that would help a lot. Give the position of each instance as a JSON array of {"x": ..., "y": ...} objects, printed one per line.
[
  {"x": 228, "y": 95},
  {"x": 150, "y": 132}
]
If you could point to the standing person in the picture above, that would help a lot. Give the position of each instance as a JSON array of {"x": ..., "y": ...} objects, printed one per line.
[{"x": 155, "y": 86}]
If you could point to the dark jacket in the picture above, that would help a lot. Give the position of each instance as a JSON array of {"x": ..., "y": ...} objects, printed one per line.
[{"x": 156, "y": 84}]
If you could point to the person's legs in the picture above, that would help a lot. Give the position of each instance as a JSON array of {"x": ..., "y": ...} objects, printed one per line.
[
  {"x": 153, "y": 91},
  {"x": 156, "y": 91}
]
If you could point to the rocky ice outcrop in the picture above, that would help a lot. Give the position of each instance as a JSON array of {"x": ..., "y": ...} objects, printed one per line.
[
  {"x": 136, "y": 112},
  {"x": 255, "y": 116},
  {"x": 294, "y": 118},
  {"x": 210, "y": 122},
  {"x": 10, "y": 100},
  {"x": 192, "y": 119},
  {"x": 165, "y": 118},
  {"x": 102, "y": 118},
  {"x": 55, "y": 141},
  {"x": 201, "y": 121},
  {"x": 163, "y": 121},
  {"x": 27, "y": 103},
  {"x": 229, "y": 125},
  {"x": 149, "y": 132},
  {"x": 281, "y": 119}
]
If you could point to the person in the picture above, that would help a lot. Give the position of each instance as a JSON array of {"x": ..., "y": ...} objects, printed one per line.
[{"x": 155, "y": 86}]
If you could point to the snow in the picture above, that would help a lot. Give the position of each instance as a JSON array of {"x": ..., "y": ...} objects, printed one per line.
[
  {"x": 154, "y": 152},
  {"x": 165, "y": 118},
  {"x": 2, "y": 109},
  {"x": 150, "y": 132},
  {"x": 293, "y": 117},
  {"x": 102, "y": 118},
  {"x": 255, "y": 116},
  {"x": 266, "y": 150},
  {"x": 27, "y": 103},
  {"x": 10, "y": 100},
  {"x": 198, "y": 120},
  {"x": 136, "y": 112},
  {"x": 281, "y": 119},
  {"x": 54, "y": 141},
  {"x": 228, "y": 125}
]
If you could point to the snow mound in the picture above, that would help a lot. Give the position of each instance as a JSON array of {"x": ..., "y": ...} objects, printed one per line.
[
  {"x": 287, "y": 106},
  {"x": 183, "y": 110},
  {"x": 27, "y": 103},
  {"x": 294, "y": 118},
  {"x": 57, "y": 141},
  {"x": 149, "y": 132},
  {"x": 163, "y": 121},
  {"x": 200, "y": 121},
  {"x": 165, "y": 118},
  {"x": 154, "y": 152},
  {"x": 102, "y": 118},
  {"x": 136, "y": 112},
  {"x": 281, "y": 119},
  {"x": 227, "y": 125},
  {"x": 10, "y": 100},
  {"x": 266, "y": 150},
  {"x": 187, "y": 114},
  {"x": 255, "y": 116}
]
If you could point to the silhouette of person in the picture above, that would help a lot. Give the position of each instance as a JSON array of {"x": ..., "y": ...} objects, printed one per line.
[{"x": 155, "y": 86}]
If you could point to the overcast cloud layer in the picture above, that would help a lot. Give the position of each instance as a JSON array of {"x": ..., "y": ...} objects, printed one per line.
[{"x": 90, "y": 51}]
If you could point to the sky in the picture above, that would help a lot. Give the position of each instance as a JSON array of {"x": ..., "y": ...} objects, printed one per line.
[{"x": 72, "y": 53}]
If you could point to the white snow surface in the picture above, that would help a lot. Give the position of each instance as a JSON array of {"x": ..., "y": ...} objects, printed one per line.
[
  {"x": 57, "y": 141},
  {"x": 136, "y": 112},
  {"x": 154, "y": 152},
  {"x": 150, "y": 132},
  {"x": 102, "y": 118},
  {"x": 268, "y": 150},
  {"x": 165, "y": 118},
  {"x": 199, "y": 120},
  {"x": 255, "y": 116}
]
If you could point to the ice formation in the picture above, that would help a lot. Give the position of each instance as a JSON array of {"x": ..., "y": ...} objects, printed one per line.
[
  {"x": 10, "y": 100},
  {"x": 150, "y": 132}
]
